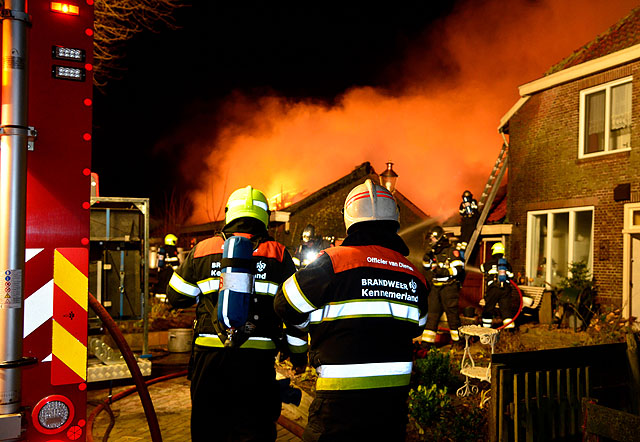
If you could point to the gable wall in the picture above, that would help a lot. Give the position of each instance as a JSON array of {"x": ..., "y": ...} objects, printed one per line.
[{"x": 545, "y": 173}]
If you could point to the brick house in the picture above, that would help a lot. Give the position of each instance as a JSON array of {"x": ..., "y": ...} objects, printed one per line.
[
  {"x": 574, "y": 168},
  {"x": 323, "y": 209}
]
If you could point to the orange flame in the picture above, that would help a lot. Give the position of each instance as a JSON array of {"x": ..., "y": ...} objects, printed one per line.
[{"x": 439, "y": 130}]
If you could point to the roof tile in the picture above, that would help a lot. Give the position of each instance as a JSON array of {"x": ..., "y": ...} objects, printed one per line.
[{"x": 622, "y": 35}]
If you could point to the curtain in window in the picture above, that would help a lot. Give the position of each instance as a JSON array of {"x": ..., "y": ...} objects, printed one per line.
[
  {"x": 621, "y": 106},
  {"x": 595, "y": 113}
]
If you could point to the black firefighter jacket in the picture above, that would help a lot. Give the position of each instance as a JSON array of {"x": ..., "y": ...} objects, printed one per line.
[
  {"x": 363, "y": 302},
  {"x": 198, "y": 280}
]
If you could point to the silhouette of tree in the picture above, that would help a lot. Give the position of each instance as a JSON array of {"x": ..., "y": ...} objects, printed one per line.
[{"x": 116, "y": 22}]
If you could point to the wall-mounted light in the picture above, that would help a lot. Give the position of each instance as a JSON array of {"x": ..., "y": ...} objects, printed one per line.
[{"x": 65, "y": 8}]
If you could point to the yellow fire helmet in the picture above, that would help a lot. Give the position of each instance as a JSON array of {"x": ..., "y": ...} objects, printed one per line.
[
  {"x": 171, "y": 240},
  {"x": 497, "y": 248},
  {"x": 247, "y": 202},
  {"x": 369, "y": 202}
]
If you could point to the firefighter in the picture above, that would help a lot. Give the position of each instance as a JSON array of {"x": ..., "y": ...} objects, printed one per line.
[
  {"x": 363, "y": 302},
  {"x": 498, "y": 275},
  {"x": 309, "y": 247},
  {"x": 234, "y": 393},
  {"x": 469, "y": 213},
  {"x": 168, "y": 261},
  {"x": 445, "y": 271}
]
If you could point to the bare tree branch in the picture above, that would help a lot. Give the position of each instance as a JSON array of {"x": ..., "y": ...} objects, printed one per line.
[{"x": 116, "y": 22}]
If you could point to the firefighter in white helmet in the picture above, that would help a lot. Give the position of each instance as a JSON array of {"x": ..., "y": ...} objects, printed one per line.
[
  {"x": 363, "y": 303},
  {"x": 234, "y": 393},
  {"x": 498, "y": 275},
  {"x": 445, "y": 270}
]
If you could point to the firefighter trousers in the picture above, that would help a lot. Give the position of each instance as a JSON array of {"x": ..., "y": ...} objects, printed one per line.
[
  {"x": 501, "y": 296},
  {"x": 363, "y": 415},
  {"x": 234, "y": 395},
  {"x": 443, "y": 298}
]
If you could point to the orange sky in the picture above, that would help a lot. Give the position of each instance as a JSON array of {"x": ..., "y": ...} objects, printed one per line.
[{"x": 439, "y": 130}]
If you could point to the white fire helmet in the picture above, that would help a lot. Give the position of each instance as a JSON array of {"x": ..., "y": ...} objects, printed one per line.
[{"x": 369, "y": 202}]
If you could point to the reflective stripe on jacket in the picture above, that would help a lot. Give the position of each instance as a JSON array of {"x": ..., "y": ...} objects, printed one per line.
[
  {"x": 197, "y": 279},
  {"x": 363, "y": 305}
]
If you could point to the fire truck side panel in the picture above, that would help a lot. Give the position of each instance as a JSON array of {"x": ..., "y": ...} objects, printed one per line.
[{"x": 57, "y": 238}]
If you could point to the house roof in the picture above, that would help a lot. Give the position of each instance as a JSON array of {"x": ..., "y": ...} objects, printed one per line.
[
  {"x": 622, "y": 35},
  {"x": 358, "y": 175}
]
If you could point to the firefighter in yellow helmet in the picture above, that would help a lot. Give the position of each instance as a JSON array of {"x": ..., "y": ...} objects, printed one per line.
[
  {"x": 363, "y": 303},
  {"x": 498, "y": 274},
  {"x": 234, "y": 393},
  {"x": 168, "y": 261}
]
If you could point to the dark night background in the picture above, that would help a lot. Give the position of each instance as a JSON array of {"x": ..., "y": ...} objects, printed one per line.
[{"x": 171, "y": 80}]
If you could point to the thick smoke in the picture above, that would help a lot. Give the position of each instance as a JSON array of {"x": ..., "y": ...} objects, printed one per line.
[{"x": 437, "y": 120}]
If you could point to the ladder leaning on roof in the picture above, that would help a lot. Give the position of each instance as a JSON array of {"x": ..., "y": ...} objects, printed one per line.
[{"x": 488, "y": 195}]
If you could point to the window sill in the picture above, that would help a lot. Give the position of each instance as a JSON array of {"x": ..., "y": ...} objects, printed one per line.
[{"x": 602, "y": 155}]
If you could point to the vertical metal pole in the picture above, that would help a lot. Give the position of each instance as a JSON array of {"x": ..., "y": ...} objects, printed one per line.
[
  {"x": 13, "y": 196},
  {"x": 121, "y": 283},
  {"x": 145, "y": 292},
  {"x": 107, "y": 215}
]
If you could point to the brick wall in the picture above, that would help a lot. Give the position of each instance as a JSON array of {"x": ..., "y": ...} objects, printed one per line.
[{"x": 545, "y": 173}]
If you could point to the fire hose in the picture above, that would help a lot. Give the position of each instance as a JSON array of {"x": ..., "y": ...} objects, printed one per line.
[
  {"x": 141, "y": 386},
  {"x": 104, "y": 405},
  {"x": 519, "y": 308}
]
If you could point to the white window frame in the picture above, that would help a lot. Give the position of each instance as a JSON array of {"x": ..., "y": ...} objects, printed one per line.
[
  {"x": 628, "y": 230},
  {"x": 607, "y": 117},
  {"x": 550, "y": 226}
]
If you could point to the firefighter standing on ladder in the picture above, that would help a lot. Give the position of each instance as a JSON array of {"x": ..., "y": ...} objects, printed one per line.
[
  {"x": 234, "y": 393},
  {"x": 498, "y": 275},
  {"x": 469, "y": 213},
  {"x": 445, "y": 270},
  {"x": 363, "y": 303}
]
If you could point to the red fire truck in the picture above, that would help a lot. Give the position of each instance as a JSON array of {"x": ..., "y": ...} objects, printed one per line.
[{"x": 45, "y": 160}]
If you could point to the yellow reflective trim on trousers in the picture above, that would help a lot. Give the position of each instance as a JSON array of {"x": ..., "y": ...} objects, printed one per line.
[
  {"x": 363, "y": 383},
  {"x": 210, "y": 341},
  {"x": 298, "y": 349}
]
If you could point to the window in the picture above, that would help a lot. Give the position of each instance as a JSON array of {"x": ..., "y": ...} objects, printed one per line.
[
  {"x": 555, "y": 239},
  {"x": 605, "y": 118}
]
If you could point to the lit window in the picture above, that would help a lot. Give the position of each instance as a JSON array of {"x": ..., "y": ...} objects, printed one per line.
[
  {"x": 605, "y": 118},
  {"x": 558, "y": 238}
]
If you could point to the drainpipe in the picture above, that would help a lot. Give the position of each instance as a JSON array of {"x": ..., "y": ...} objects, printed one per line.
[{"x": 13, "y": 196}]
